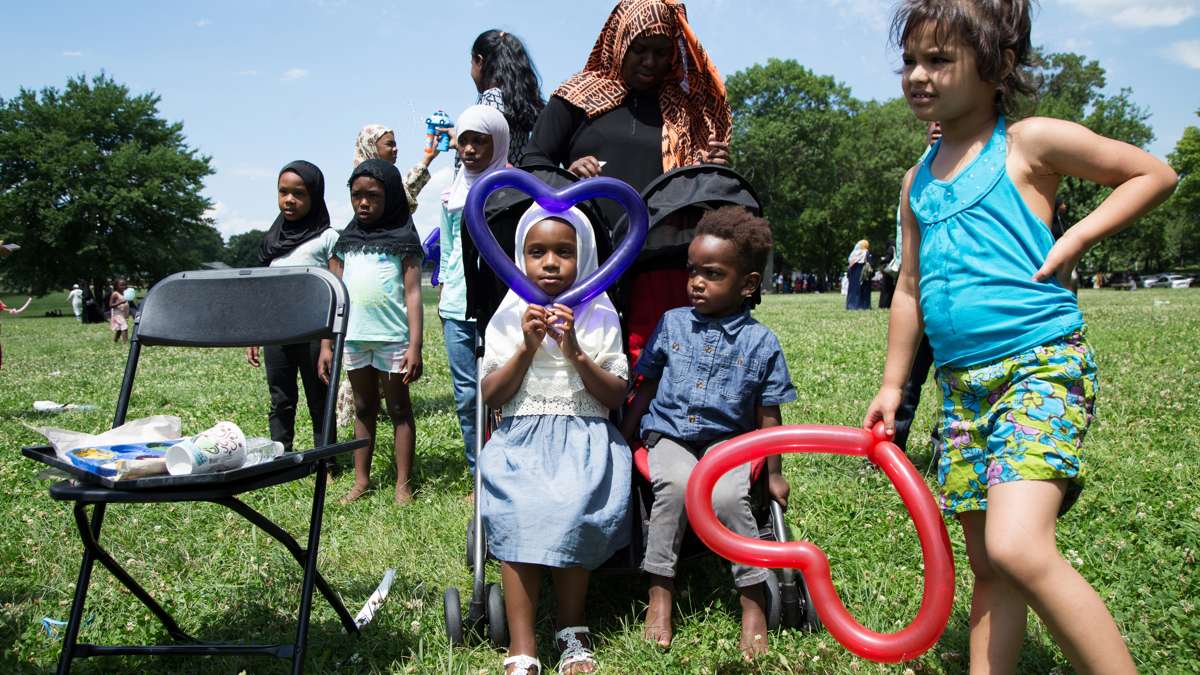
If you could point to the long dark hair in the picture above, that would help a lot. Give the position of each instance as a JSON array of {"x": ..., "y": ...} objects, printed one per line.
[{"x": 507, "y": 66}]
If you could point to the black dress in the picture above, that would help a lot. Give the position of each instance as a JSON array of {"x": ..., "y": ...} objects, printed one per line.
[{"x": 627, "y": 138}]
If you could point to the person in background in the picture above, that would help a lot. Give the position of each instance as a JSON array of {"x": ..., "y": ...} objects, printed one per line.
[
  {"x": 506, "y": 80},
  {"x": 483, "y": 146},
  {"x": 857, "y": 276},
  {"x": 381, "y": 266},
  {"x": 300, "y": 237},
  {"x": 376, "y": 141},
  {"x": 75, "y": 297},
  {"x": 118, "y": 319}
]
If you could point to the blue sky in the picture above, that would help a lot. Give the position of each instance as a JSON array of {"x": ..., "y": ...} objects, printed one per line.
[{"x": 258, "y": 83}]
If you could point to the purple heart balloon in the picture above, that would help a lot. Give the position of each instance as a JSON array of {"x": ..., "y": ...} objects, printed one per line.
[{"x": 556, "y": 201}]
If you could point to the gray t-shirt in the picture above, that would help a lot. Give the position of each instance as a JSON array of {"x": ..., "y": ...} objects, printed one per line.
[{"x": 315, "y": 252}]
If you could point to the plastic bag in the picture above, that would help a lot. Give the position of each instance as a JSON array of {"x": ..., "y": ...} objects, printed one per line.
[{"x": 153, "y": 428}]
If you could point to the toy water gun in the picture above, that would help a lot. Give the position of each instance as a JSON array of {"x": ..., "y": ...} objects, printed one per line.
[{"x": 435, "y": 132}]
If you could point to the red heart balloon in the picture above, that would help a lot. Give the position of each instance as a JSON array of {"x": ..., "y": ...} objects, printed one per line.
[{"x": 938, "y": 599}]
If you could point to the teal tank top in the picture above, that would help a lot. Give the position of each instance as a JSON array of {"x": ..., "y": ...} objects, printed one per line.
[{"x": 980, "y": 247}]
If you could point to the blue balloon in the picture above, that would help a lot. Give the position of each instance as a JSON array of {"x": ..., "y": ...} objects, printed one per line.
[
  {"x": 433, "y": 249},
  {"x": 556, "y": 201}
]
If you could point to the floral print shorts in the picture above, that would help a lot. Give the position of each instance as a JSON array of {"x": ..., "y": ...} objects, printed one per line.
[{"x": 1020, "y": 418}]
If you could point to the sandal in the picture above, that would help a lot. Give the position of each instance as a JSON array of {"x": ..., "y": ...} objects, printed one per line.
[
  {"x": 523, "y": 665},
  {"x": 574, "y": 651}
]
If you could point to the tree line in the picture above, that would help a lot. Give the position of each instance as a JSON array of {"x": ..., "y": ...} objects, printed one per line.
[
  {"x": 828, "y": 166},
  {"x": 95, "y": 184}
]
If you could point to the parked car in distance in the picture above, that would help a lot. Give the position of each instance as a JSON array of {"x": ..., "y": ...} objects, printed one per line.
[{"x": 1167, "y": 281}]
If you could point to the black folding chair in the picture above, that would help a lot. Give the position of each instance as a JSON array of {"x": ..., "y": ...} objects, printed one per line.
[{"x": 223, "y": 308}]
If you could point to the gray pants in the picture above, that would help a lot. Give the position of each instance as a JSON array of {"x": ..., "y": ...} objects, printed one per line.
[{"x": 670, "y": 466}]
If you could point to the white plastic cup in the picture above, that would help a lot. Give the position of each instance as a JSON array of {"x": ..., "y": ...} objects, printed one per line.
[{"x": 221, "y": 448}]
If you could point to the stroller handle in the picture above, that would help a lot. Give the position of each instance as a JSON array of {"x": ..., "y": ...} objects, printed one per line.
[{"x": 938, "y": 598}]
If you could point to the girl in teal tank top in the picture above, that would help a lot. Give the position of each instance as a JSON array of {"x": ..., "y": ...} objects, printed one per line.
[{"x": 983, "y": 278}]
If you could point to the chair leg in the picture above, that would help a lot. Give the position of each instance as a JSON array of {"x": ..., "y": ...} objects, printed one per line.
[
  {"x": 81, "y": 583},
  {"x": 310, "y": 568},
  {"x": 92, "y": 546},
  {"x": 299, "y": 554}
]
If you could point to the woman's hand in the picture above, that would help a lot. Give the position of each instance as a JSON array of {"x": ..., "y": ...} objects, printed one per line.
[
  {"x": 252, "y": 356},
  {"x": 585, "y": 167},
  {"x": 562, "y": 329},
  {"x": 883, "y": 407},
  {"x": 533, "y": 326},
  {"x": 412, "y": 365},
  {"x": 718, "y": 152}
]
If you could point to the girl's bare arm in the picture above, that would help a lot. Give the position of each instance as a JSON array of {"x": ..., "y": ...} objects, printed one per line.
[{"x": 1056, "y": 148}]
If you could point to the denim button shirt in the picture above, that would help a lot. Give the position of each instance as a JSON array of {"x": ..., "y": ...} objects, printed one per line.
[{"x": 712, "y": 375}]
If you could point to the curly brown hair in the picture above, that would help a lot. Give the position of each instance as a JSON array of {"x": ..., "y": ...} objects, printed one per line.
[
  {"x": 988, "y": 27},
  {"x": 750, "y": 235}
]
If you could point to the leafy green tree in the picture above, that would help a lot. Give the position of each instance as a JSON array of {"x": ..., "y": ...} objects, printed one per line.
[
  {"x": 94, "y": 184},
  {"x": 883, "y": 141},
  {"x": 1182, "y": 229},
  {"x": 786, "y": 122},
  {"x": 242, "y": 249}
]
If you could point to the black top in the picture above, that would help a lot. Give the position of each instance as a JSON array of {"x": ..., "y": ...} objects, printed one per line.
[{"x": 627, "y": 138}]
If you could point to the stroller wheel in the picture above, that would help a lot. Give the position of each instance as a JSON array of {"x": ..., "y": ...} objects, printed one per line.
[
  {"x": 774, "y": 601},
  {"x": 452, "y": 608},
  {"x": 810, "y": 620},
  {"x": 497, "y": 620}
]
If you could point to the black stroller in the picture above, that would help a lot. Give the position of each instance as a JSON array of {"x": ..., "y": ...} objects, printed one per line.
[
  {"x": 676, "y": 201},
  {"x": 658, "y": 280}
]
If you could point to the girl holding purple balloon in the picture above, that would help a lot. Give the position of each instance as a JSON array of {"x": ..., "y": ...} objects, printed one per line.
[{"x": 555, "y": 471}]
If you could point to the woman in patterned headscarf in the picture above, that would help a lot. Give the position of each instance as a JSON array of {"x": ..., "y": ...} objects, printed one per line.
[
  {"x": 376, "y": 141},
  {"x": 648, "y": 100}
]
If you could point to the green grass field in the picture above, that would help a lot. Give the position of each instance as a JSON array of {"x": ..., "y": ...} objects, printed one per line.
[{"x": 1135, "y": 533}]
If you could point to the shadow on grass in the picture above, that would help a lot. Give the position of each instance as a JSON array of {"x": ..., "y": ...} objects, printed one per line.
[{"x": 330, "y": 647}]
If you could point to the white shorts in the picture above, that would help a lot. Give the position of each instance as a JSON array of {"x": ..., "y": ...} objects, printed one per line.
[{"x": 386, "y": 357}]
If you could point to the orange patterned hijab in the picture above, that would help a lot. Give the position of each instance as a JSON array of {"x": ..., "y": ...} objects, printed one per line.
[{"x": 692, "y": 99}]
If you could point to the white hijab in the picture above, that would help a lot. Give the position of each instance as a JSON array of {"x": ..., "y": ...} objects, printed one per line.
[
  {"x": 597, "y": 327},
  {"x": 485, "y": 120},
  {"x": 859, "y": 254}
]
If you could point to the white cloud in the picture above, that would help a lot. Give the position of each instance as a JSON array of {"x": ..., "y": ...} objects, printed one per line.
[
  {"x": 877, "y": 13},
  {"x": 72, "y": 54},
  {"x": 1139, "y": 13},
  {"x": 1186, "y": 52},
  {"x": 203, "y": 23},
  {"x": 294, "y": 74}
]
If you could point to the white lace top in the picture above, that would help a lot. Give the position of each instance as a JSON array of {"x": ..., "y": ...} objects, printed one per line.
[{"x": 572, "y": 400}]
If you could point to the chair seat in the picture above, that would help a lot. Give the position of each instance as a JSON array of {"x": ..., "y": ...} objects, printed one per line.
[{"x": 73, "y": 491}]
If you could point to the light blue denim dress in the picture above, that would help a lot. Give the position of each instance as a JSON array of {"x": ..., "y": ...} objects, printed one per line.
[{"x": 555, "y": 490}]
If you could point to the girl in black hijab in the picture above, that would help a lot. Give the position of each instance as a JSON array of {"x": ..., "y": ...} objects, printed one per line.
[
  {"x": 299, "y": 237},
  {"x": 381, "y": 258}
]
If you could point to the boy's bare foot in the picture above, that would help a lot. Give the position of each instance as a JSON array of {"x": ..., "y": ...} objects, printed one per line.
[
  {"x": 754, "y": 621},
  {"x": 658, "y": 612},
  {"x": 403, "y": 495},
  {"x": 356, "y": 492}
]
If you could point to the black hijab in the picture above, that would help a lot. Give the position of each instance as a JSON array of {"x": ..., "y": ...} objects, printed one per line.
[
  {"x": 285, "y": 236},
  {"x": 394, "y": 233}
]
